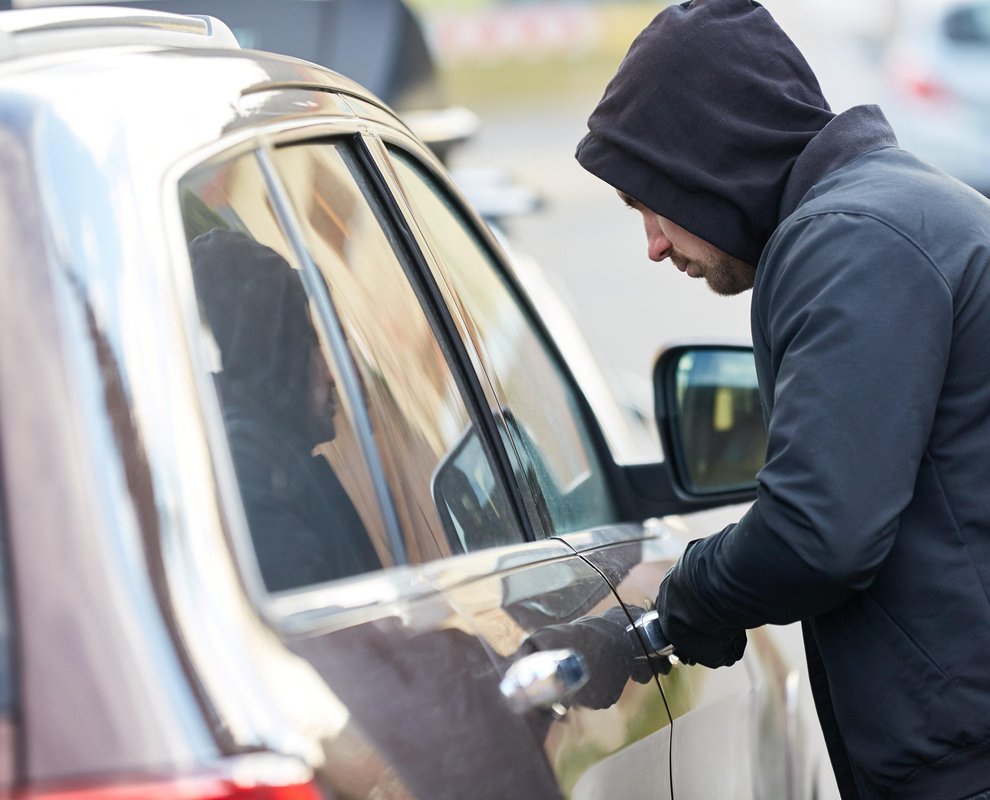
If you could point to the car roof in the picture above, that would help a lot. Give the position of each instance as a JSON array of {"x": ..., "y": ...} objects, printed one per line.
[
  {"x": 379, "y": 43},
  {"x": 80, "y": 33},
  {"x": 47, "y": 30},
  {"x": 128, "y": 75}
]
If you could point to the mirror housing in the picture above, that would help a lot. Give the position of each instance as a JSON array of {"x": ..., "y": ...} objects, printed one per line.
[{"x": 711, "y": 421}]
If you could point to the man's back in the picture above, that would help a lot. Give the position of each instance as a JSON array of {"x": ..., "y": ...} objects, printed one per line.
[
  {"x": 878, "y": 284},
  {"x": 871, "y": 314}
]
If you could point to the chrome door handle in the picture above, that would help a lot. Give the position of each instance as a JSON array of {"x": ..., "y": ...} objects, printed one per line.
[
  {"x": 648, "y": 627},
  {"x": 543, "y": 678}
]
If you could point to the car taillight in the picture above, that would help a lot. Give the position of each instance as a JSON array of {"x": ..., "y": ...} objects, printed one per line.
[
  {"x": 917, "y": 82},
  {"x": 925, "y": 88},
  {"x": 248, "y": 778}
]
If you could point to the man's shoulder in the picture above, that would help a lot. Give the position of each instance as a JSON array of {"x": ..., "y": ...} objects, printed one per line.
[
  {"x": 889, "y": 196},
  {"x": 892, "y": 186}
]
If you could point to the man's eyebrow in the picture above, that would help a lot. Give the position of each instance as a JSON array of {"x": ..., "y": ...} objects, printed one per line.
[{"x": 626, "y": 199}]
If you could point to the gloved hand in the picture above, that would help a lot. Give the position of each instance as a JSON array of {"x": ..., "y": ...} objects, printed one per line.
[
  {"x": 698, "y": 637},
  {"x": 612, "y": 654}
]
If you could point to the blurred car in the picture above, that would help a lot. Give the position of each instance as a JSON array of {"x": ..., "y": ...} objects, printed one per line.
[
  {"x": 300, "y": 499},
  {"x": 937, "y": 81}
]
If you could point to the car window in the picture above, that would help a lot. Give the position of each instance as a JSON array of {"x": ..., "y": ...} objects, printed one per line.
[
  {"x": 543, "y": 423},
  {"x": 303, "y": 482},
  {"x": 439, "y": 469}
]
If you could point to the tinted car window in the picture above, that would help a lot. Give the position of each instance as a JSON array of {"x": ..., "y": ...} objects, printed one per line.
[
  {"x": 303, "y": 483},
  {"x": 544, "y": 424},
  {"x": 440, "y": 472}
]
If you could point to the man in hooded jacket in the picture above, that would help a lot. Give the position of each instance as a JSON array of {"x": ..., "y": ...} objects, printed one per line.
[
  {"x": 277, "y": 398},
  {"x": 871, "y": 322}
]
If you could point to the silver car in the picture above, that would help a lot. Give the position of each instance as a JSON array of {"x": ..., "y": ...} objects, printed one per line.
[
  {"x": 937, "y": 86},
  {"x": 300, "y": 499}
]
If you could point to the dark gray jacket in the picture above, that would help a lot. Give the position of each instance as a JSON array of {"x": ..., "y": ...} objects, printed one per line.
[{"x": 871, "y": 326}]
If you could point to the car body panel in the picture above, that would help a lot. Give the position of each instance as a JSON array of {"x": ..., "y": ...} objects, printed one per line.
[
  {"x": 711, "y": 709},
  {"x": 506, "y": 608},
  {"x": 419, "y": 705},
  {"x": 119, "y": 672}
]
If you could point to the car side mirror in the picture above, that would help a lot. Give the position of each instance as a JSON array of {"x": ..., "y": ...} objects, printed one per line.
[{"x": 711, "y": 418}]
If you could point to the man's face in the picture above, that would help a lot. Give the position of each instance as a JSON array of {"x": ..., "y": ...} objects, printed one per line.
[
  {"x": 695, "y": 257},
  {"x": 321, "y": 399}
]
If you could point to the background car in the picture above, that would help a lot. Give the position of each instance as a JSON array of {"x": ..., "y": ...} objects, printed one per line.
[
  {"x": 937, "y": 87},
  {"x": 300, "y": 498}
]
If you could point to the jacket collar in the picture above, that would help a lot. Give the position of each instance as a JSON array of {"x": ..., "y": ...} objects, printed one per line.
[{"x": 852, "y": 133}]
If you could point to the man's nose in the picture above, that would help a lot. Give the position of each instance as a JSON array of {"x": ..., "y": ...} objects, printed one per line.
[{"x": 657, "y": 245}]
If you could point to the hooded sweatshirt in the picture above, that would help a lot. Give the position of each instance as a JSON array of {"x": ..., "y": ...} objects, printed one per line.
[
  {"x": 697, "y": 139},
  {"x": 870, "y": 322},
  {"x": 304, "y": 526}
]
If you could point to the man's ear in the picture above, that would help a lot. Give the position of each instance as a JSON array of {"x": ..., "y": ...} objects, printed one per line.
[{"x": 627, "y": 199}]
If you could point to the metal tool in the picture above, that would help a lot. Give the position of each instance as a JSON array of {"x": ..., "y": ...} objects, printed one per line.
[{"x": 651, "y": 635}]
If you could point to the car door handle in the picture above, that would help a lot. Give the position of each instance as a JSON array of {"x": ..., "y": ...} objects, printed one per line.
[{"x": 543, "y": 678}]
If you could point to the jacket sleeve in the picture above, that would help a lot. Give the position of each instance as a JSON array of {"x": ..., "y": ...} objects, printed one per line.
[
  {"x": 858, "y": 323},
  {"x": 274, "y": 487}
]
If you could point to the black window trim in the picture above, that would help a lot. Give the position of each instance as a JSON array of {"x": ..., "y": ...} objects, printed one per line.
[
  {"x": 526, "y": 507},
  {"x": 438, "y": 315},
  {"x": 534, "y": 504},
  {"x": 412, "y": 263},
  {"x": 615, "y": 479}
]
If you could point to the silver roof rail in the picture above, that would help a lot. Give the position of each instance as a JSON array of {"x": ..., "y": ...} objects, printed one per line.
[{"x": 37, "y": 31}]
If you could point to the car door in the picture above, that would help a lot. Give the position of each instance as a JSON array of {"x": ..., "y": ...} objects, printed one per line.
[
  {"x": 734, "y": 717},
  {"x": 433, "y": 582},
  {"x": 719, "y": 715}
]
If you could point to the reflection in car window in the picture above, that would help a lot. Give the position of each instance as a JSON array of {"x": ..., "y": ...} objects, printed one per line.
[
  {"x": 306, "y": 492},
  {"x": 446, "y": 492},
  {"x": 721, "y": 419},
  {"x": 543, "y": 422}
]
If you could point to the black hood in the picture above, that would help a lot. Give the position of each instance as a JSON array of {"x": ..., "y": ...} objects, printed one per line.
[
  {"x": 258, "y": 313},
  {"x": 705, "y": 118}
]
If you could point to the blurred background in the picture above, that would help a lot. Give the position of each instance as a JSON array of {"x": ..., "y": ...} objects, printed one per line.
[
  {"x": 501, "y": 90},
  {"x": 532, "y": 72}
]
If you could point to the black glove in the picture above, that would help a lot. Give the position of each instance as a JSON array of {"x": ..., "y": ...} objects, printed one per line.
[
  {"x": 612, "y": 654},
  {"x": 698, "y": 637}
]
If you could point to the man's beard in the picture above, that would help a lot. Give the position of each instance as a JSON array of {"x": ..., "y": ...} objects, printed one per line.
[{"x": 728, "y": 276}]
